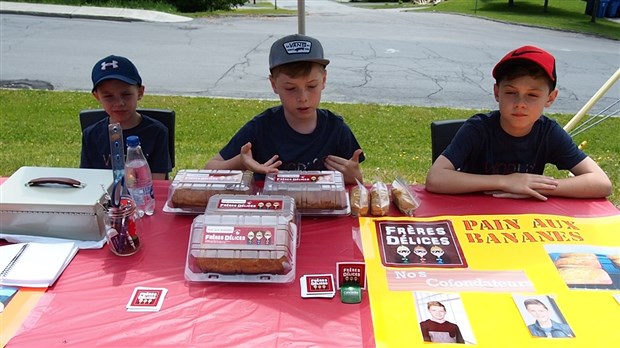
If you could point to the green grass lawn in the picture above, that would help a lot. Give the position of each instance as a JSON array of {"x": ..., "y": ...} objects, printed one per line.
[
  {"x": 41, "y": 128},
  {"x": 566, "y": 15},
  {"x": 561, "y": 14}
]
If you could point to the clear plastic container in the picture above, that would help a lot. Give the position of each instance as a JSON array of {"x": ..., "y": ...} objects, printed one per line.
[
  {"x": 230, "y": 247},
  {"x": 191, "y": 189},
  {"x": 231, "y": 206},
  {"x": 315, "y": 192}
]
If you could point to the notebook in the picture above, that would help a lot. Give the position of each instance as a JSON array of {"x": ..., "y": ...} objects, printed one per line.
[{"x": 36, "y": 265}]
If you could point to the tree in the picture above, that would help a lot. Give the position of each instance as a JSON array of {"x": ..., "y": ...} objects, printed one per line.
[
  {"x": 205, "y": 5},
  {"x": 595, "y": 6}
]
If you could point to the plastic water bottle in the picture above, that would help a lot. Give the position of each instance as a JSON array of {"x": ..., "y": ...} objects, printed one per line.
[{"x": 138, "y": 177}]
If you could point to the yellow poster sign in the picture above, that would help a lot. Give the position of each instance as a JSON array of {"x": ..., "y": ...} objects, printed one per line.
[{"x": 488, "y": 262}]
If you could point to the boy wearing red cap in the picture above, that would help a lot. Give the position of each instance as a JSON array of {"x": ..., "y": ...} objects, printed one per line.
[
  {"x": 296, "y": 135},
  {"x": 117, "y": 86},
  {"x": 505, "y": 151}
]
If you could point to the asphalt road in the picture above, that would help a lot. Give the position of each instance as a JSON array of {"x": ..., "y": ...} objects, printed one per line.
[{"x": 377, "y": 56}]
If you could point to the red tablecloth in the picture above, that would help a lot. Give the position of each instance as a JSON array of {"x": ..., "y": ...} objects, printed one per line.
[
  {"x": 480, "y": 204},
  {"x": 86, "y": 307}
]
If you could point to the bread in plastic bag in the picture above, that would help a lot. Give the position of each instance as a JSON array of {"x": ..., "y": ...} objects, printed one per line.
[
  {"x": 379, "y": 199},
  {"x": 404, "y": 198},
  {"x": 360, "y": 199}
]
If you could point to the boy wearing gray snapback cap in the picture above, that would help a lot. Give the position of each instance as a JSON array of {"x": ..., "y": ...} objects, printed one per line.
[
  {"x": 117, "y": 86},
  {"x": 295, "y": 135}
]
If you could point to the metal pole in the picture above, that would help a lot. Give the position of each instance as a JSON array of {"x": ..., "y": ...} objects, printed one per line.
[
  {"x": 604, "y": 88},
  {"x": 301, "y": 17}
]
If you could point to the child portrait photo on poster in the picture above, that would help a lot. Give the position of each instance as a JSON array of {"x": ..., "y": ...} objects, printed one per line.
[
  {"x": 542, "y": 316},
  {"x": 442, "y": 318}
]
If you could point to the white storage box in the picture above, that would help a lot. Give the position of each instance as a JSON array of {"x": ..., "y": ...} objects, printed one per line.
[{"x": 55, "y": 209}]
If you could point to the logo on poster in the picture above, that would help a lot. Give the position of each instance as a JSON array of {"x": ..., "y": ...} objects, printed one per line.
[
  {"x": 419, "y": 243},
  {"x": 410, "y": 235}
]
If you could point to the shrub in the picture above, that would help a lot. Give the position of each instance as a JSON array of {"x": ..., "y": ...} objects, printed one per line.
[{"x": 190, "y": 6}]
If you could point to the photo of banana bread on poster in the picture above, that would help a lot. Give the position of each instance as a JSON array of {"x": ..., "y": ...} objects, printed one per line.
[
  {"x": 419, "y": 244},
  {"x": 587, "y": 267}
]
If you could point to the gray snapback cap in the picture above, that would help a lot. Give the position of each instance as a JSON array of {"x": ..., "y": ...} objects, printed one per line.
[{"x": 296, "y": 48}]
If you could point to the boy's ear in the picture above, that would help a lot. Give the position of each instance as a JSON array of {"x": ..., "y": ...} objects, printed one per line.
[
  {"x": 272, "y": 80},
  {"x": 96, "y": 95},
  {"x": 551, "y": 98},
  {"x": 496, "y": 92},
  {"x": 140, "y": 92}
]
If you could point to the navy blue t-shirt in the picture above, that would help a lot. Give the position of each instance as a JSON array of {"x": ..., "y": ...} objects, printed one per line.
[
  {"x": 153, "y": 140},
  {"x": 481, "y": 146},
  {"x": 270, "y": 134}
]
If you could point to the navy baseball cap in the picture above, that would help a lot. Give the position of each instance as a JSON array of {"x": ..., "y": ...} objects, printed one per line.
[
  {"x": 296, "y": 48},
  {"x": 115, "y": 68}
]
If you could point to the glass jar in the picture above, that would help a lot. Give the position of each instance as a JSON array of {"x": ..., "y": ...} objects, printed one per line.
[{"x": 122, "y": 225}]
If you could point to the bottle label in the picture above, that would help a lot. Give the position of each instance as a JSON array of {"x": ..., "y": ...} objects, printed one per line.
[{"x": 142, "y": 195}]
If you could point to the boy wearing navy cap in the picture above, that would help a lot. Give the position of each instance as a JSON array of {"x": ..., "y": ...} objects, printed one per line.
[
  {"x": 117, "y": 86},
  {"x": 505, "y": 151},
  {"x": 296, "y": 135}
]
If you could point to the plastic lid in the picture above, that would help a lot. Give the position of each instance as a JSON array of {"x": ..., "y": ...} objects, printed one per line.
[{"x": 133, "y": 140}]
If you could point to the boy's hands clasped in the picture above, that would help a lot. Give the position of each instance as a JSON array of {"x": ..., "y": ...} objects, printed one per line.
[{"x": 523, "y": 185}]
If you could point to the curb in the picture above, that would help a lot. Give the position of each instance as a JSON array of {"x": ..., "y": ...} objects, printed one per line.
[
  {"x": 90, "y": 12},
  {"x": 70, "y": 15}
]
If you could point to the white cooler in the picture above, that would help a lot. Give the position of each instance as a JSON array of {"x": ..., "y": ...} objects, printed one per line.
[{"x": 55, "y": 209}]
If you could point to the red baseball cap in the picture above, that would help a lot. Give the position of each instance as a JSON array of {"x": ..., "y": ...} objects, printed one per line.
[{"x": 534, "y": 54}]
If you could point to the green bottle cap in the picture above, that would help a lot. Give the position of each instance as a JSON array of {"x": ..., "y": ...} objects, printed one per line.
[{"x": 350, "y": 293}]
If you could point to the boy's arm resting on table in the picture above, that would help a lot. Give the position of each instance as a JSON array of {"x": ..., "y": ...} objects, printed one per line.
[
  {"x": 350, "y": 168},
  {"x": 589, "y": 181},
  {"x": 444, "y": 178}
]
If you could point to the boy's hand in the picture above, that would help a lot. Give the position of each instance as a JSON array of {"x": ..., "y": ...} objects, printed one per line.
[
  {"x": 350, "y": 168},
  {"x": 522, "y": 185},
  {"x": 250, "y": 163},
  {"x": 502, "y": 194}
]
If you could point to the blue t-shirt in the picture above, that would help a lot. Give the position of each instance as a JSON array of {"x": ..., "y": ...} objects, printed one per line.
[
  {"x": 481, "y": 146},
  {"x": 270, "y": 134},
  {"x": 153, "y": 140}
]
